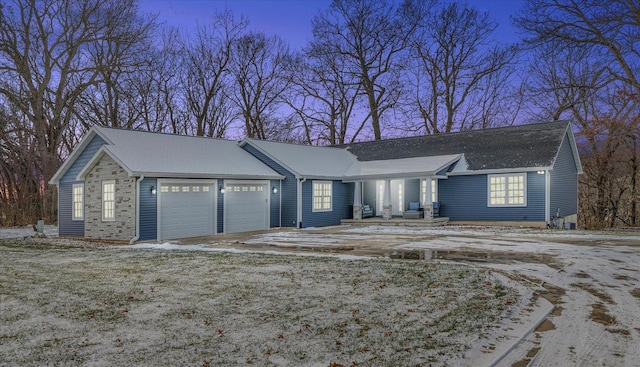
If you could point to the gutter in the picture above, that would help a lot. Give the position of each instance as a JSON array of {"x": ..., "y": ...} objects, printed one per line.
[
  {"x": 137, "y": 236},
  {"x": 299, "y": 202}
]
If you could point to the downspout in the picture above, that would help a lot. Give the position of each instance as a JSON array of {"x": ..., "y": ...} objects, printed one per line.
[
  {"x": 280, "y": 206},
  {"x": 134, "y": 239},
  {"x": 547, "y": 196},
  {"x": 299, "y": 203}
]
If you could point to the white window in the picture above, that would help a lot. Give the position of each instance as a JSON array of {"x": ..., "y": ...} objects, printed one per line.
[
  {"x": 400, "y": 197},
  {"x": 78, "y": 202},
  {"x": 507, "y": 190},
  {"x": 196, "y": 189},
  {"x": 108, "y": 200},
  {"x": 434, "y": 191},
  {"x": 175, "y": 188},
  {"x": 205, "y": 188},
  {"x": 164, "y": 188},
  {"x": 322, "y": 196}
]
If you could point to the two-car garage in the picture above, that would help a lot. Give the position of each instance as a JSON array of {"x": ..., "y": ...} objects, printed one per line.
[{"x": 189, "y": 208}]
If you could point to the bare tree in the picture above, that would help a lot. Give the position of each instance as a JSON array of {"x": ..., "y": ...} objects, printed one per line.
[
  {"x": 206, "y": 78},
  {"x": 50, "y": 54},
  {"x": 325, "y": 100},
  {"x": 608, "y": 29},
  {"x": 261, "y": 68},
  {"x": 156, "y": 87},
  {"x": 586, "y": 65},
  {"x": 459, "y": 76},
  {"x": 371, "y": 36}
]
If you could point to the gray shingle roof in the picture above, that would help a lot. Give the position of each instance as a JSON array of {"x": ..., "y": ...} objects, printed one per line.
[
  {"x": 170, "y": 155},
  {"x": 534, "y": 145}
]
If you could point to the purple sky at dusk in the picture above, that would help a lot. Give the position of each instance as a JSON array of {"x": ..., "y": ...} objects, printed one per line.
[{"x": 291, "y": 19}]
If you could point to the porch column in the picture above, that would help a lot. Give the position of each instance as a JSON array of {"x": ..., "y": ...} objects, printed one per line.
[
  {"x": 357, "y": 201},
  {"x": 428, "y": 204},
  {"x": 386, "y": 200}
]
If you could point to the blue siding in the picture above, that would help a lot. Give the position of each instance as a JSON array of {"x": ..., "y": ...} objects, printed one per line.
[
  {"x": 274, "y": 209},
  {"x": 148, "y": 210},
  {"x": 564, "y": 182},
  {"x": 66, "y": 226},
  {"x": 288, "y": 192},
  {"x": 464, "y": 198},
  {"x": 342, "y": 202}
]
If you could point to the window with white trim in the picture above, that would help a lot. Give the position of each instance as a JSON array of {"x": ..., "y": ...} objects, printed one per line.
[
  {"x": 507, "y": 190},
  {"x": 108, "y": 200},
  {"x": 78, "y": 202},
  {"x": 322, "y": 196},
  {"x": 434, "y": 190}
]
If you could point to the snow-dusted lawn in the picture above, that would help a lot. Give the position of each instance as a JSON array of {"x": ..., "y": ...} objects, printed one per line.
[
  {"x": 592, "y": 280},
  {"x": 109, "y": 306}
]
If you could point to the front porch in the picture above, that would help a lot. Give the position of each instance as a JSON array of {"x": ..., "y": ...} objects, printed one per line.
[
  {"x": 398, "y": 221},
  {"x": 410, "y": 201}
]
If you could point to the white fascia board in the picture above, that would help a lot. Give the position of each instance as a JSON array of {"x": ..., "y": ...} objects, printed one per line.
[
  {"x": 462, "y": 165},
  {"x": 402, "y": 174},
  {"x": 207, "y": 176},
  {"x": 96, "y": 157},
  {"x": 269, "y": 155},
  {"x": 86, "y": 139},
  {"x": 499, "y": 171},
  {"x": 406, "y": 175},
  {"x": 326, "y": 178},
  {"x": 574, "y": 148}
]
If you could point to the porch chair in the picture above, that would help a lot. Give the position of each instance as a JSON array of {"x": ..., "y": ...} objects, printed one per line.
[
  {"x": 436, "y": 209},
  {"x": 414, "y": 211},
  {"x": 367, "y": 211}
]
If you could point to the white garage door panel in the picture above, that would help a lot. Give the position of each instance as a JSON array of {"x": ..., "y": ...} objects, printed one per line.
[
  {"x": 188, "y": 212},
  {"x": 246, "y": 207}
]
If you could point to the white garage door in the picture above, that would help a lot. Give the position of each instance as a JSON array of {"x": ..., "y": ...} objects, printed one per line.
[
  {"x": 246, "y": 207},
  {"x": 186, "y": 209}
]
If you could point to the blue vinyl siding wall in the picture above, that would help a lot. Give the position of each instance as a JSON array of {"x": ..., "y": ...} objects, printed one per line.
[
  {"x": 288, "y": 192},
  {"x": 66, "y": 226},
  {"x": 564, "y": 182},
  {"x": 342, "y": 205},
  {"x": 148, "y": 209},
  {"x": 274, "y": 202},
  {"x": 464, "y": 198}
]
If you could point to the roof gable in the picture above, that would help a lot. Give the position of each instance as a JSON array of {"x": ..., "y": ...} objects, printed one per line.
[
  {"x": 169, "y": 155},
  {"x": 308, "y": 161}
]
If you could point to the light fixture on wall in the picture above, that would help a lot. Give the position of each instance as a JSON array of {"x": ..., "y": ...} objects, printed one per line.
[
  {"x": 222, "y": 189},
  {"x": 153, "y": 190},
  {"x": 541, "y": 172},
  {"x": 274, "y": 190}
]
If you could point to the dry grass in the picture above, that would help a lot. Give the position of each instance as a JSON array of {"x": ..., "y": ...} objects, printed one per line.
[{"x": 108, "y": 307}]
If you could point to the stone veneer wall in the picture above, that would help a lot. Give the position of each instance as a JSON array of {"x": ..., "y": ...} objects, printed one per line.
[{"x": 123, "y": 228}]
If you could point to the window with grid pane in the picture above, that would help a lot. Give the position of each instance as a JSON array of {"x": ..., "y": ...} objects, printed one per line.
[
  {"x": 423, "y": 191},
  {"x": 78, "y": 202},
  {"x": 108, "y": 200},
  {"x": 322, "y": 196},
  {"x": 508, "y": 190}
]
